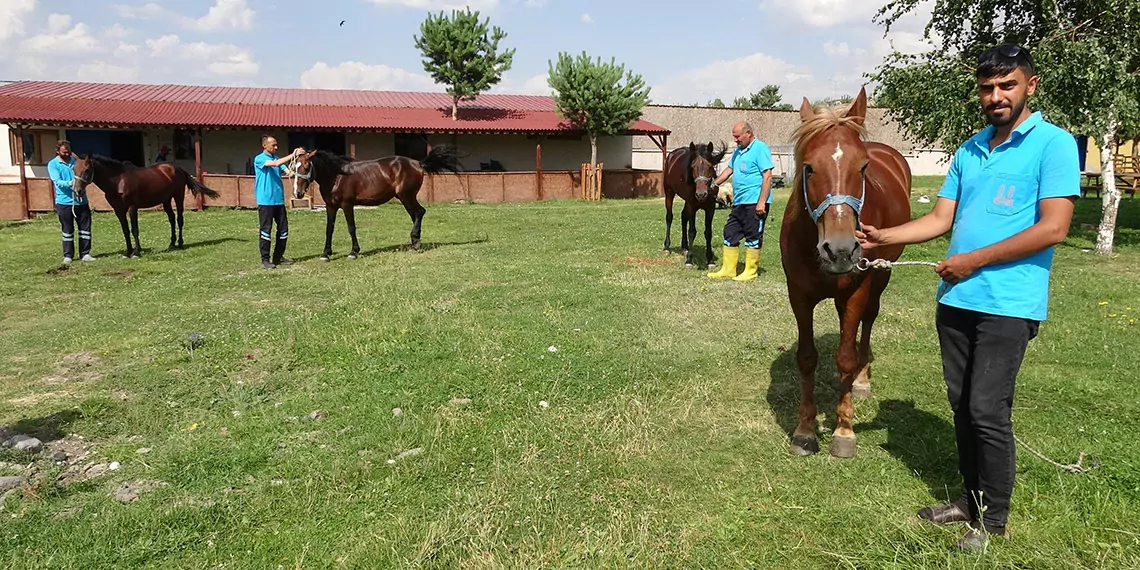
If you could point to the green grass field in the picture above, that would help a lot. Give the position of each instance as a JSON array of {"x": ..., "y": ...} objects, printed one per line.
[{"x": 623, "y": 412}]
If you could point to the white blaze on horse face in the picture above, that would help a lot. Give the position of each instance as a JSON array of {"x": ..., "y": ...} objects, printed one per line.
[{"x": 837, "y": 156}]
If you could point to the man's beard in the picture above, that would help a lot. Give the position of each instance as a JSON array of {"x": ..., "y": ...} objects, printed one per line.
[{"x": 1015, "y": 112}]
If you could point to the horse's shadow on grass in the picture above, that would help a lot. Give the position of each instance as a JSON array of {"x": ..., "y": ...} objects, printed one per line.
[
  {"x": 46, "y": 429},
  {"x": 424, "y": 246},
  {"x": 919, "y": 439}
]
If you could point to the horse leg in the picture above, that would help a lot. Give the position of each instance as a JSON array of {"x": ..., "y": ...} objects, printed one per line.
[
  {"x": 122, "y": 215},
  {"x": 166, "y": 207},
  {"x": 416, "y": 211},
  {"x": 692, "y": 237},
  {"x": 668, "y": 220},
  {"x": 350, "y": 221},
  {"x": 804, "y": 441},
  {"x": 330, "y": 222},
  {"x": 180, "y": 204},
  {"x": 134, "y": 212},
  {"x": 710, "y": 259},
  {"x": 861, "y": 388},
  {"x": 847, "y": 363}
]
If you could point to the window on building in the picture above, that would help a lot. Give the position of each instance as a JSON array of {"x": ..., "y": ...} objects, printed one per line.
[
  {"x": 411, "y": 145},
  {"x": 38, "y": 145},
  {"x": 183, "y": 144}
]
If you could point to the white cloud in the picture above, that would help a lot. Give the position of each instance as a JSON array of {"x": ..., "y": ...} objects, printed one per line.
[
  {"x": 116, "y": 32},
  {"x": 836, "y": 49},
  {"x": 102, "y": 72},
  {"x": 58, "y": 23},
  {"x": 533, "y": 85},
  {"x": 586, "y": 19},
  {"x": 824, "y": 13},
  {"x": 219, "y": 59},
  {"x": 534, "y": 3},
  {"x": 357, "y": 75},
  {"x": 13, "y": 18},
  {"x": 435, "y": 5},
  {"x": 62, "y": 40},
  {"x": 728, "y": 79},
  {"x": 223, "y": 15}
]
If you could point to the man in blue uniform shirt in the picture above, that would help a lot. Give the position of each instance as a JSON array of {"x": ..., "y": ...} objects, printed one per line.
[
  {"x": 1007, "y": 200},
  {"x": 751, "y": 170},
  {"x": 270, "y": 193},
  {"x": 71, "y": 209}
]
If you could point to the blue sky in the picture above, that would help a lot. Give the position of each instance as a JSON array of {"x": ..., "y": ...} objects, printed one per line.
[{"x": 687, "y": 51}]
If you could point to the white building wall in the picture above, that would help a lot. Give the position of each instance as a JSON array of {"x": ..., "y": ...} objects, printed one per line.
[{"x": 922, "y": 162}]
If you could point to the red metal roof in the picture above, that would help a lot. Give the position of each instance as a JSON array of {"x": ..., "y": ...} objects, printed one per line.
[{"x": 103, "y": 104}]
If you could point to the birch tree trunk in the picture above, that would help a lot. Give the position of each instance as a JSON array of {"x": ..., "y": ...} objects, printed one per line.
[{"x": 1111, "y": 201}]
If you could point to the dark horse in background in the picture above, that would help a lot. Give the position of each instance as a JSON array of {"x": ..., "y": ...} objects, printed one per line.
[
  {"x": 128, "y": 188},
  {"x": 346, "y": 183},
  {"x": 840, "y": 182},
  {"x": 688, "y": 173}
]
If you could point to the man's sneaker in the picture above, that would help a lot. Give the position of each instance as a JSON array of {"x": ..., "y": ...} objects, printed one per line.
[
  {"x": 88, "y": 257},
  {"x": 66, "y": 260},
  {"x": 267, "y": 265}
]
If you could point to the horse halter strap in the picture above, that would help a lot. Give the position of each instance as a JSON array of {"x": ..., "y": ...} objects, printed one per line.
[
  {"x": 296, "y": 175},
  {"x": 835, "y": 200}
]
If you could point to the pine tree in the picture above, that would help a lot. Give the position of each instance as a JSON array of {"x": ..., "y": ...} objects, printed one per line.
[
  {"x": 592, "y": 96},
  {"x": 462, "y": 53}
]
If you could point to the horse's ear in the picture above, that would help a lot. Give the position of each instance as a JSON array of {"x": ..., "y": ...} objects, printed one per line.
[
  {"x": 806, "y": 110},
  {"x": 711, "y": 147},
  {"x": 692, "y": 147},
  {"x": 858, "y": 110}
]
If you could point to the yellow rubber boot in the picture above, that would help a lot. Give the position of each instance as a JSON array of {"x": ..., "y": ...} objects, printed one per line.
[
  {"x": 751, "y": 264},
  {"x": 730, "y": 255}
]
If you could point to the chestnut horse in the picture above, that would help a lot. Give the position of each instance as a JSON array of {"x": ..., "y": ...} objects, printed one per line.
[
  {"x": 688, "y": 174},
  {"x": 346, "y": 182},
  {"x": 840, "y": 181},
  {"x": 128, "y": 188}
]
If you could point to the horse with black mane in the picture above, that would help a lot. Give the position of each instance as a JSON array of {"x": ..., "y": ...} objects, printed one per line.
[
  {"x": 840, "y": 182},
  {"x": 128, "y": 188},
  {"x": 688, "y": 174},
  {"x": 346, "y": 182}
]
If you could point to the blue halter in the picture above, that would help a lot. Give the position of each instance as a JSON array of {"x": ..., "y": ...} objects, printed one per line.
[{"x": 835, "y": 200}]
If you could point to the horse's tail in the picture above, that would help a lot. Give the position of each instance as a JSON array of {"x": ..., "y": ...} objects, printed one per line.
[
  {"x": 196, "y": 188},
  {"x": 442, "y": 157}
]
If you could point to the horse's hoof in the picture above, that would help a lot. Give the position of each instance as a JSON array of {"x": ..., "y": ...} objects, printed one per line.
[
  {"x": 135, "y": 256},
  {"x": 804, "y": 445},
  {"x": 712, "y": 266},
  {"x": 688, "y": 266},
  {"x": 352, "y": 256},
  {"x": 666, "y": 252},
  {"x": 861, "y": 391},
  {"x": 842, "y": 447}
]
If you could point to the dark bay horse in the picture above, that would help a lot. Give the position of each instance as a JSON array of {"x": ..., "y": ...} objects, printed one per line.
[
  {"x": 128, "y": 188},
  {"x": 346, "y": 183},
  {"x": 688, "y": 173},
  {"x": 840, "y": 182}
]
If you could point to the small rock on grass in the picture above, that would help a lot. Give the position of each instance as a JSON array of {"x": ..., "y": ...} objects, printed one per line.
[
  {"x": 460, "y": 401},
  {"x": 317, "y": 415},
  {"x": 24, "y": 443},
  {"x": 409, "y": 453},
  {"x": 129, "y": 492},
  {"x": 397, "y": 411},
  {"x": 9, "y": 483}
]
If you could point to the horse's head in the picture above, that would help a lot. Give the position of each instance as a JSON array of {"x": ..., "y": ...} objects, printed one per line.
[
  {"x": 831, "y": 165},
  {"x": 702, "y": 166},
  {"x": 302, "y": 167},
  {"x": 84, "y": 170}
]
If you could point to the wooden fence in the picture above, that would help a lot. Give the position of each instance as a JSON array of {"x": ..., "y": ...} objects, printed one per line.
[{"x": 477, "y": 187}]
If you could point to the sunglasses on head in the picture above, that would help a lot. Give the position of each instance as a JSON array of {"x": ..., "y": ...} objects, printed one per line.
[{"x": 1006, "y": 50}]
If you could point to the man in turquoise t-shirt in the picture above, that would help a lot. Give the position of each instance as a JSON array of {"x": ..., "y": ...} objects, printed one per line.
[
  {"x": 1008, "y": 200},
  {"x": 751, "y": 170},
  {"x": 71, "y": 208},
  {"x": 270, "y": 194}
]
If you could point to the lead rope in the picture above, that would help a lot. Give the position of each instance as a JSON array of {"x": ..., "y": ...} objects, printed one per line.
[{"x": 1074, "y": 468}]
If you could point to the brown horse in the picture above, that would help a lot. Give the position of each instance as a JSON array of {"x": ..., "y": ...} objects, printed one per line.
[
  {"x": 840, "y": 182},
  {"x": 688, "y": 174},
  {"x": 128, "y": 188},
  {"x": 346, "y": 183}
]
